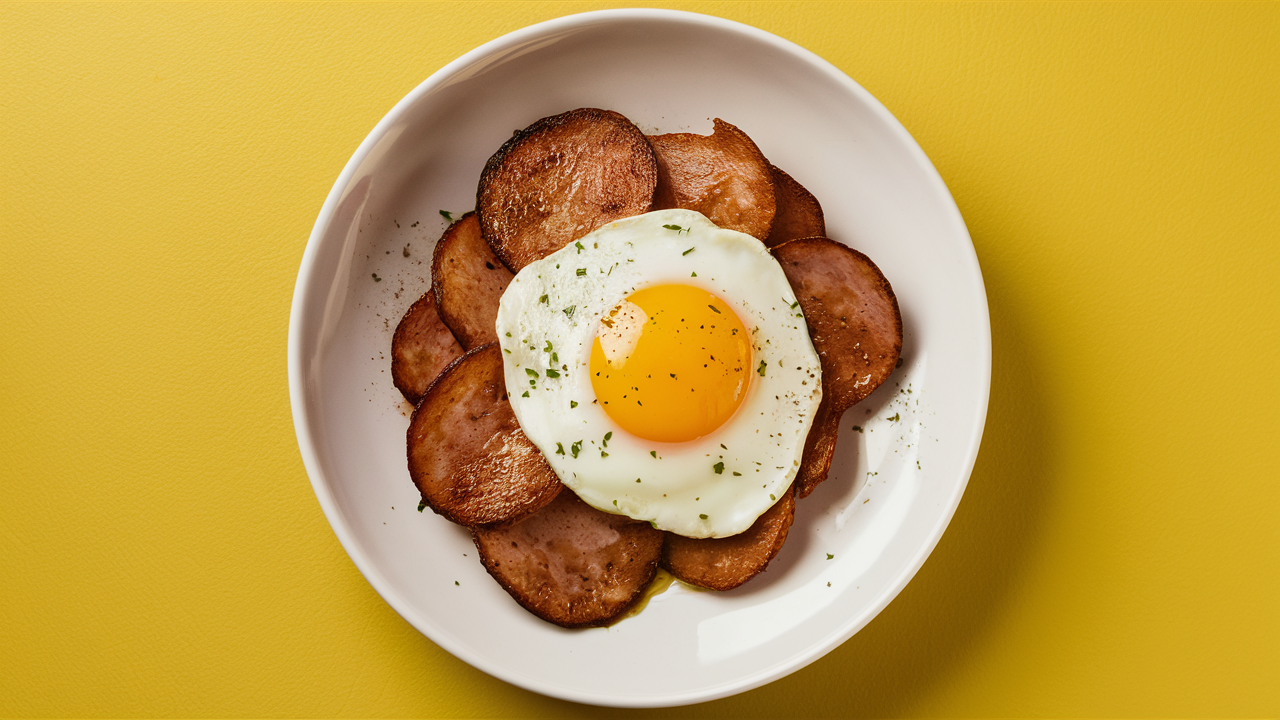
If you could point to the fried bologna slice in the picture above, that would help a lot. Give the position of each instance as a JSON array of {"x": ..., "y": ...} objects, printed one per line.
[
  {"x": 726, "y": 563},
  {"x": 467, "y": 454},
  {"x": 819, "y": 448},
  {"x": 799, "y": 214},
  {"x": 856, "y": 328},
  {"x": 722, "y": 175},
  {"x": 571, "y": 564},
  {"x": 421, "y": 348},
  {"x": 468, "y": 280},
  {"x": 559, "y": 179}
]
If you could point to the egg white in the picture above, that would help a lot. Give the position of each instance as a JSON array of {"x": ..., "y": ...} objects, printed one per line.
[{"x": 679, "y": 490}]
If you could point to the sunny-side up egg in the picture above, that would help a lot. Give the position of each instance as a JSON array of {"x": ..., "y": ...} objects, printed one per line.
[{"x": 664, "y": 368}]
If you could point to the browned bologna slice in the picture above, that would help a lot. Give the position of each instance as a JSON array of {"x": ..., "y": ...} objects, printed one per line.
[
  {"x": 571, "y": 564},
  {"x": 722, "y": 175},
  {"x": 856, "y": 328},
  {"x": 467, "y": 454},
  {"x": 468, "y": 280},
  {"x": 559, "y": 179},
  {"x": 421, "y": 347},
  {"x": 819, "y": 448},
  {"x": 726, "y": 563},
  {"x": 799, "y": 213}
]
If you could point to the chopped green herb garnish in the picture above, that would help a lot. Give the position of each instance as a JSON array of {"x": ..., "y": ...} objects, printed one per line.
[
  {"x": 738, "y": 474},
  {"x": 615, "y": 503},
  {"x": 506, "y": 351},
  {"x": 581, "y": 271},
  {"x": 714, "y": 309},
  {"x": 771, "y": 497},
  {"x": 422, "y": 505},
  {"x": 761, "y": 368},
  {"x": 559, "y": 449},
  {"x": 794, "y": 304},
  {"x": 526, "y": 394},
  {"x": 894, "y": 418},
  {"x": 604, "y": 454},
  {"x": 693, "y": 274},
  {"x": 446, "y": 215},
  {"x": 829, "y": 556},
  {"x": 531, "y": 372},
  {"x": 555, "y": 358},
  {"x": 703, "y": 516},
  {"x": 552, "y": 373},
  {"x": 718, "y": 467},
  {"x": 637, "y": 479},
  {"x": 858, "y": 428},
  {"x": 542, "y": 299},
  {"x": 508, "y": 334},
  {"x": 573, "y": 404},
  {"x": 580, "y": 249},
  {"x": 569, "y": 310},
  {"x": 548, "y": 347},
  {"x": 653, "y": 453},
  {"x": 576, "y": 448},
  {"x": 677, "y": 228},
  {"x": 686, "y": 252},
  {"x": 607, "y": 437}
]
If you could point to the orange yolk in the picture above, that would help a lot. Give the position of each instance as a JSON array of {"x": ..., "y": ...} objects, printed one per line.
[{"x": 671, "y": 363}]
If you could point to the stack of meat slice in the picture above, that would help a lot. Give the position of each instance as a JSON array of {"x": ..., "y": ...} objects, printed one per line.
[{"x": 550, "y": 184}]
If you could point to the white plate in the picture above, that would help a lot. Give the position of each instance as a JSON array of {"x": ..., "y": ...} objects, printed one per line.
[{"x": 856, "y": 541}]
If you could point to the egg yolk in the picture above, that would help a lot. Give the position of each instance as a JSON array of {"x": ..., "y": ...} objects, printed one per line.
[{"x": 671, "y": 363}]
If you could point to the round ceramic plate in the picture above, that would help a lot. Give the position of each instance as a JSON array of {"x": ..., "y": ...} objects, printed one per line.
[{"x": 897, "y": 476}]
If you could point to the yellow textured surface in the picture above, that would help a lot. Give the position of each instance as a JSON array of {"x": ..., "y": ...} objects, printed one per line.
[{"x": 1116, "y": 553}]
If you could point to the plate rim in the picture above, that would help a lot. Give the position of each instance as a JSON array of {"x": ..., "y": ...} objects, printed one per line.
[{"x": 305, "y": 287}]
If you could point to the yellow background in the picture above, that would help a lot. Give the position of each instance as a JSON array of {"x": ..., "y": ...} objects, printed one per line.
[{"x": 1116, "y": 553}]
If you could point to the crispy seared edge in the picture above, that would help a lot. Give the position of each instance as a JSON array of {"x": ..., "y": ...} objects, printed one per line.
[
  {"x": 819, "y": 449},
  {"x": 799, "y": 213}
]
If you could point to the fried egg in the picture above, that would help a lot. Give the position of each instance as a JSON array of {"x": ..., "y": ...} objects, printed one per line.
[{"x": 663, "y": 366}]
